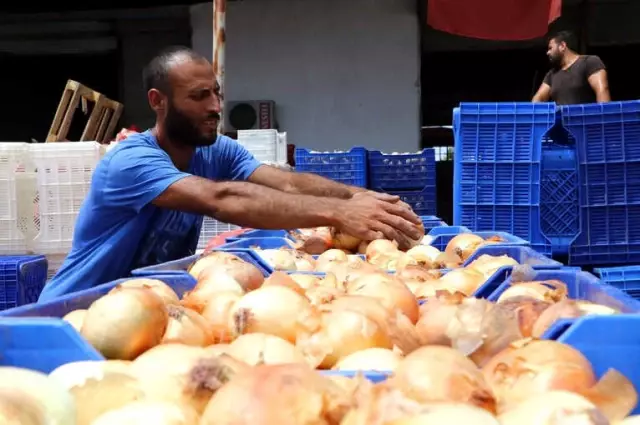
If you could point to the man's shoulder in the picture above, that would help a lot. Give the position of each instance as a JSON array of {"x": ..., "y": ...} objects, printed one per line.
[{"x": 135, "y": 146}]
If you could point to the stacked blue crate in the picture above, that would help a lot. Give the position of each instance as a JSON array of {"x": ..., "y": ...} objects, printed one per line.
[
  {"x": 498, "y": 168},
  {"x": 412, "y": 176},
  {"x": 21, "y": 279},
  {"x": 608, "y": 150},
  {"x": 345, "y": 167}
]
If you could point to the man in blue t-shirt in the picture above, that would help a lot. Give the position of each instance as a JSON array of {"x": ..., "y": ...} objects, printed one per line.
[{"x": 150, "y": 192}]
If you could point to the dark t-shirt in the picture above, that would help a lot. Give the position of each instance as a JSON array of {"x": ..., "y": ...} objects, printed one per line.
[{"x": 571, "y": 85}]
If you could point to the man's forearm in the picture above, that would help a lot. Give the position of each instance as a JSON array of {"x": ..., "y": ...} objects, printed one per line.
[
  {"x": 312, "y": 184},
  {"x": 251, "y": 205}
]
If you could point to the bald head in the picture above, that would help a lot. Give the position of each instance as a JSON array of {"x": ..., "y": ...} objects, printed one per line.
[{"x": 156, "y": 74}]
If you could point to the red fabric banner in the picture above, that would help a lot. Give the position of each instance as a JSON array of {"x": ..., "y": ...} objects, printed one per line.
[{"x": 504, "y": 20}]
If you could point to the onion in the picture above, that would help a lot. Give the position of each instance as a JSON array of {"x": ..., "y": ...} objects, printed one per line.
[
  {"x": 254, "y": 349},
  {"x": 489, "y": 264},
  {"x": 380, "y": 247},
  {"x": 424, "y": 255},
  {"x": 370, "y": 307},
  {"x": 461, "y": 280},
  {"x": 305, "y": 281},
  {"x": 631, "y": 420},
  {"x": 347, "y": 272},
  {"x": 527, "y": 312},
  {"x": 98, "y": 387},
  {"x": 304, "y": 262},
  {"x": 535, "y": 368},
  {"x": 187, "y": 327},
  {"x": 344, "y": 241},
  {"x": 391, "y": 292},
  {"x": 548, "y": 290},
  {"x": 325, "y": 259},
  {"x": 125, "y": 323},
  {"x": 464, "y": 244},
  {"x": 403, "y": 261},
  {"x": 565, "y": 309},
  {"x": 277, "y": 394},
  {"x": 75, "y": 318},
  {"x": 35, "y": 399},
  {"x": 362, "y": 248},
  {"x": 217, "y": 349},
  {"x": 343, "y": 332},
  {"x": 441, "y": 374},
  {"x": 206, "y": 290},
  {"x": 246, "y": 274},
  {"x": 449, "y": 413},
  {"x": 274, "y": 310},
  {"x": 554, "y": 407},
  {"x": 313, "y": 241},
  {"x": 211, "y": 259},
  {"x": 377, "y": 359},
  {"x": 184, "y": 375},
  {"x": 435, "y": 317},
  {"x": 149, "y": 412},
  {"x": 282, "y": 279},
  {"x": 279, "y": 259},
  {"x": 160, "y": 288},
  {"x": 447, "y": 260},
  {"x": 322, "y": 295},
  {"x": 217, "y": 314}
]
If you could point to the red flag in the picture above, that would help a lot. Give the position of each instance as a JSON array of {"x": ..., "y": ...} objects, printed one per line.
[{"x": 493, "y": 19}]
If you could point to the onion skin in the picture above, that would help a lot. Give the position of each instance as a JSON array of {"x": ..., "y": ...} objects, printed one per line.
[
  {"x": 435, "y": 374},
  {"x": 566, "y": 309},
  {"x": 380, "y": 247},
  {"x": 377, "y": 359},
  {"x": 160, "y": 288},
  {"x": 390, "y": 292},
  {"x": 282, "y": 279},
  {"x": 217, "y": 314},
  {"x": 277, "y": 395},
  {"x": 187, "y": 327},
  {"x": 125, "y": 323},
  {"x": 528, "y": 312},
  {"x": 464, "y": 245},
  {"x": 449, "y": 413},
  {"x": 213, "y": 258},
  {"x": 344, "y": 241},
  {"x": 537, "y": 367},
  {"x": 246, "y": 274},
  {"x": 255, "y": 349}
]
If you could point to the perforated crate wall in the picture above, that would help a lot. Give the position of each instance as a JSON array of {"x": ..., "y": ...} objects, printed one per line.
[
  {"x": 608, "y": 149},
  {"x": 497, "y": 167},
  {"x": 346, "y": 167}
]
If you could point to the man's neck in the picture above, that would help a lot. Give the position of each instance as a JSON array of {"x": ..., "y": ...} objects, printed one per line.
[
  {"x": 569, "y": 59},
  {"x": 180, "y": 154}
]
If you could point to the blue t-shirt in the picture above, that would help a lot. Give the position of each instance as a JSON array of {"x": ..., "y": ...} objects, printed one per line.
[{"x": 118, "y": 229}]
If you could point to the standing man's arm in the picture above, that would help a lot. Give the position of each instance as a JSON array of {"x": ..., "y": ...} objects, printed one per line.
[
  {"x": 598, "y": 80},
  {"x": 544, "y": 92},
  {"x": 302, "y": 183}
]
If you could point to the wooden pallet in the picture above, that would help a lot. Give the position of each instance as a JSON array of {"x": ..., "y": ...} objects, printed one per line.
[{"x": 101, "y": 123}]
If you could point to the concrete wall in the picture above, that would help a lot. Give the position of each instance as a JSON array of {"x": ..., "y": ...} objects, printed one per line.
[{"x": 342, "y": 73}]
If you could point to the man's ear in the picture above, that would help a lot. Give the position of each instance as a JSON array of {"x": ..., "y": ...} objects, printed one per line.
[{"x": 157, "y": 100}]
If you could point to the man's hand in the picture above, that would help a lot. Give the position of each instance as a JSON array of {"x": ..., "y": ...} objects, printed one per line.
[{"x": 372, "y": 215}]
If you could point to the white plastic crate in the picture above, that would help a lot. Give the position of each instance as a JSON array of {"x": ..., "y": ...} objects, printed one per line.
[
  {"x": 63, "y": 172},
  {"x": 16, "y": 177},
  {"x": 265, "y": 145},
  {"x": 212, "y": 228}
]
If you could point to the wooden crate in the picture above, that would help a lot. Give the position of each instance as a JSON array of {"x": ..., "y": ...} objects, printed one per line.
[{"x": 101, "y": 123}]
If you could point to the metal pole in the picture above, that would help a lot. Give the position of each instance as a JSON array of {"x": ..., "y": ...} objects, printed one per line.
[{"x": 219, "y": 42}]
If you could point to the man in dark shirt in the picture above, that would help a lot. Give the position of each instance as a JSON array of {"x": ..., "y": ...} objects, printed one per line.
[{"x": 573, "y": 78}]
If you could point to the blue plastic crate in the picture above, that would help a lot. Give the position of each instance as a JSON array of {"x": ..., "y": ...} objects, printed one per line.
[
  {"x": 179, "y": 267},
  {"x": 374, "y": 377},
  {"x": 626, "y": 279},
  {"x": 431, "y": 222},
  {"x": 522, "y": 254},
  {"x": 443, "y": 239},
  {"x": 608, "y": 150},
  {"x": 608, "y": 342},
  {"x": 44, "y": 344},
  {"x": 21, "y": 279},
  {"x": 345, "y": 167},
  {"x": 259, "y": 233},
  {"x": 422, "y": 201},
  {"x": 402, "y": 171},
  {"x": 497, "y": 167},
  {"x": 448, "y": 230}
]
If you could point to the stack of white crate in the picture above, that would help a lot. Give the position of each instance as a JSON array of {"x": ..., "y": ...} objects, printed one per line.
[
  {"x": 44, "y": 186},
  {"x": 267, "y": 146}
]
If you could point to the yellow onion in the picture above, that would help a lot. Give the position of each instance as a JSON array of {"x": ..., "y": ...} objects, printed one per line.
[
  {"x": 465, "y": 281},
  {"x": 391, "y": 293},
  {"x": 464, "y": 245},
  {"x": 343, "y": 333},
  {"x": 489, "y": 264},
  {"x": 313, "y": 241},
  {"x": 425, "y": 255},
  {"x": 279, "y": 278},
  {"x": 449, "y": 413},
  {"x": 211, "y": 259},
  {"x": 378, "y": 359},
  {"x": 380, "y": 247},
  {"x": 304, "y": 280},
  {"x": 187, "y": 327},
  {"x": 344, "y": 241},
  {"x": 160, "y": 288},
  {"x": 149, "y": 412},
  {"x": 277, "y": 394},
  {"x": 184, "y": 375},
  {"x": 437, "y": 374},
  {"x": 257, "y": 348},
  {"x": 565, "y": 309},
  {"x": 447, "y": 260},
  {"x": 246, "y": 274},
  {"x": 554, "y": 407},
  {"x": 125, "y": 323},
  {"x": 274, "y": 310},
  {"x": 217, "y": 314},
  {"x": 548, "y": 290},
  {"x": 75, "y": 318},
  {"x": 519, "y": 372},
  {"x": 328, "y": 257}
]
